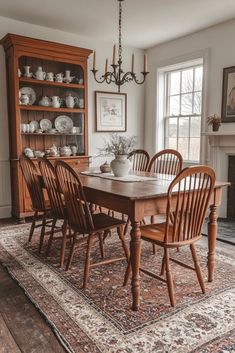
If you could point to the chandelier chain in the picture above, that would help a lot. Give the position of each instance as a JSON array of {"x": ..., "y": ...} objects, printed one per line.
[
  {"x": 120, "y": 32},
  {"x": 116, "y": 75}
]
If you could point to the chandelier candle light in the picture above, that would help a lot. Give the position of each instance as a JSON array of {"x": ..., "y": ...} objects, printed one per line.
[{"x": 116, "y": 74}]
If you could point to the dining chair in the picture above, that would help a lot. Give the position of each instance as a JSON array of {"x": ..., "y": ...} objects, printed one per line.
[
  {"x": 139, "y": 163},
  {"x": 167, "y": 161},
  {"x": 188, "y": 198},
  {"x": 40, "y": 206},
  {"x": 139, "y": 159},
  {"x": 58, "y": 210},
  {"x": 83, "y": 222}
]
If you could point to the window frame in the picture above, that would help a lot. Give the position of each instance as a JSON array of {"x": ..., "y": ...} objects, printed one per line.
[{"x": 166, "y": 106}]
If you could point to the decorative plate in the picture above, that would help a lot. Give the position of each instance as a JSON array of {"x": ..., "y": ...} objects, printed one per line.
[
  {"x": 63, "y": 123},
  {"x": 34, "y": 125},
  {"x": 30, "y": 92},
  {"x": 45, "y": 124}
]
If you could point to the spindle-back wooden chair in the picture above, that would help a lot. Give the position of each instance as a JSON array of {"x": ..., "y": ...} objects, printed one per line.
[
  {"x": 187, "y": 202},
  {"x": 82, "y": 221},
  {"x": 139, "y": 163},
  {"x": 139, "y": 159},
  {"x": 167, "y": 161},
  {"x": 58, "y": 210},
  {"x": 39, "y": 205}
]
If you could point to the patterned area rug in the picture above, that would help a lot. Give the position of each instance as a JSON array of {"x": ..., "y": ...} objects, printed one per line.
[{"x": 99, "y": 319}]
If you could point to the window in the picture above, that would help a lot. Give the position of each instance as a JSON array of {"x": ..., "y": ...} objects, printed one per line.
[{"x": 183, "y": 106}]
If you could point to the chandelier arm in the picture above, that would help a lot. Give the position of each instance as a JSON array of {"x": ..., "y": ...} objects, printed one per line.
[
  {"x": 96, "y": 79},
  {"x": 136, "y": 80}
]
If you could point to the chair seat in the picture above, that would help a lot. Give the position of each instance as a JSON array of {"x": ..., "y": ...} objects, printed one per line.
[
  {"x": 102, "y": 221},
  {"x": 153, "y": 232}
]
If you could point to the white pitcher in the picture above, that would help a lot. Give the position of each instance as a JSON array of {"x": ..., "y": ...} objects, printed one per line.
[
  {"x": 56, "y": 101},
  {"x": 70, "y": 101},
  {"x": 40, "y": 74}
]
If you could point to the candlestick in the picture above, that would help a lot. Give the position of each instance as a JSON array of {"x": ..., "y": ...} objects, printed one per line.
[
  {"x": 106, "y": 66},
  {"x": 94, "y": 60},
  {"x": 145, "y": 63},
  {"x": 133, "y": 63},
  {"x": 114, "y": 54}
]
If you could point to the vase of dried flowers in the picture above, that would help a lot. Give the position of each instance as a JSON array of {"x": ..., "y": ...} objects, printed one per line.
[
  {"x": 215, "y": 121},
  {"x": 119, "y": 146}
]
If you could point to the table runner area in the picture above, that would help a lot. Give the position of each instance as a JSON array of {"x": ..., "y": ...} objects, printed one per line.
[{"x": 129, "y": 178}]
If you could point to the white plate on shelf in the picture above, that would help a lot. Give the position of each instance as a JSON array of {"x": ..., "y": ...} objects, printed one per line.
[
  {"x": 30, "y": 92},
  {"x": 63, "y": 124},
  {"x": 45, "y": 124}
]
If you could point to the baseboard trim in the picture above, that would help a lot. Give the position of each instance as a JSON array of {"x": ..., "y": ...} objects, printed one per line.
[{"x": 5, "y": 212}]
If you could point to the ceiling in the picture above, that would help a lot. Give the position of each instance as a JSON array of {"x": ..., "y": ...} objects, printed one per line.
[{"x": 145, "y": 22}]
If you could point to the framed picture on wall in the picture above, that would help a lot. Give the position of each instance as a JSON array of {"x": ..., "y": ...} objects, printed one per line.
[
  {"x": 110, "y": 111},
  {"x": 228, "y": 95}
]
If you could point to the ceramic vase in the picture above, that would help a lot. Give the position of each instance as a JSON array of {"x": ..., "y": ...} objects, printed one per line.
[{"x": 120, "y": 166}]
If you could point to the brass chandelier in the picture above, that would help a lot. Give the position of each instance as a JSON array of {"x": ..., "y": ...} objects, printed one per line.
[{"x": 116, "y": 74}]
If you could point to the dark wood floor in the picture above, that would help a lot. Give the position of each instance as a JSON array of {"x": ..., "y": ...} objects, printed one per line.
[{"x": 22, "y": 327}]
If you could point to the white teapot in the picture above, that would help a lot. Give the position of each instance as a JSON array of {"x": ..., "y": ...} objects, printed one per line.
[
  {"x": 65, "y": 151},
  {"x": 45, "y": 101},
  {"x": 70, "y": 101},
  {"x": 28, "y": 152},
  {"x": 40, "y": 74}
]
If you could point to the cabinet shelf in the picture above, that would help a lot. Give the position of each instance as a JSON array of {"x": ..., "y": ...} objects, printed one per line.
[
  {"x": 32, "y": 81},
  {"x": 51, "y": 109},
  {"x": 51, "y": 134},
  {"x": 52, "y": 57}
]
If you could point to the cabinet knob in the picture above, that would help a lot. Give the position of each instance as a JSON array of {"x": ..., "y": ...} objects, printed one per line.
[{"x": 78, "y": 162}]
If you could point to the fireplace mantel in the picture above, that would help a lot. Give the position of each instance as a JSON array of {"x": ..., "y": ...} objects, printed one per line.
[{"x": 222, "y": 145}]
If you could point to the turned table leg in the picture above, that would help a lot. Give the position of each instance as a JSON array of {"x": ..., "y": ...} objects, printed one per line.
[
  {"x": 135, "y": 248},
  {"x": 212, "y": 234}
]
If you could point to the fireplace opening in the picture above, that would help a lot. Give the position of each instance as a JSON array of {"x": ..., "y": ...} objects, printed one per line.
[{"x": 231, "y": 188}]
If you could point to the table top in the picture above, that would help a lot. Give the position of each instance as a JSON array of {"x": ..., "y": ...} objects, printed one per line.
[{"x": 134, "y": 190}]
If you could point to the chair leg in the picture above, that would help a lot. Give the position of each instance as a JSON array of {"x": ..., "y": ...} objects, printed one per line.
[
  {"x": 154, "y": 248},
  {"x": 63, "y": 245},
  {"x": 197, "y": 268},
  {"x": 101, "y": 242},
  {"x": 42, "y": 232},
  {"x": 33, "y": 226},
  {"x": 126, "y": 226},
  {"x": 170, "y": 284},
  {"x": 121, "y": 235},
  {"x": 127, "y": 273},
  {"x": 87, "y": 261},
  {"x": 70, "y": 258},
  {"x": 51, "y": 237},
  {"x": 163, "y": 266}
]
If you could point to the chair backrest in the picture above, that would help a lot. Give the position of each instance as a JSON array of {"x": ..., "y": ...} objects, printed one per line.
[
  {"x": 188, "y": 199},
  {"x": 32, "y": 180},
  {"x": 52, "y": 186},
  {"x": 139, "y": 159},
  {"x": 166, "y": 162},
  {"x": 79, "y": 215}
]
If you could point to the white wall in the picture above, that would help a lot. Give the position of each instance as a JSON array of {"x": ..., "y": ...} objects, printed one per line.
[
  {"x": 135, "y": 94},
  {"x": 216, "y": 45}
]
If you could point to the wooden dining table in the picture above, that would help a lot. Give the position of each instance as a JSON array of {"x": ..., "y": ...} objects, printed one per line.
[{"x": 141, "y": 199}]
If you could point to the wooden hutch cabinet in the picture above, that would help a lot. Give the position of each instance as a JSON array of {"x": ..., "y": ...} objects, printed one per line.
[{"x": 25, "y": 118}]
